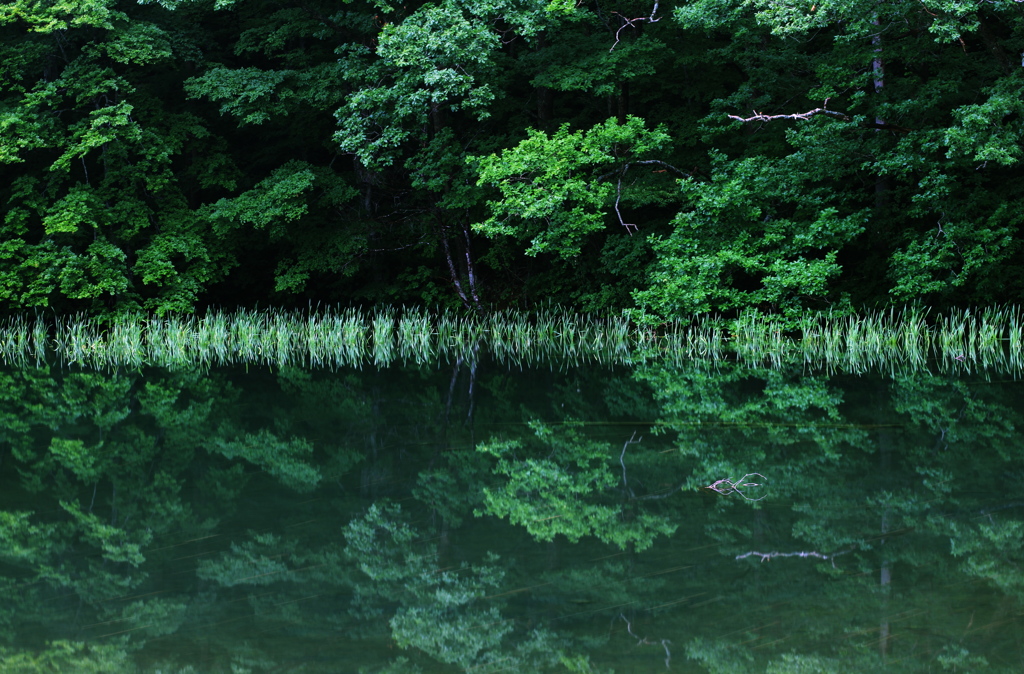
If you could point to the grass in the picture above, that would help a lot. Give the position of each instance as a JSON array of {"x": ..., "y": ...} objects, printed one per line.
[{"x": 911, "y": 338}]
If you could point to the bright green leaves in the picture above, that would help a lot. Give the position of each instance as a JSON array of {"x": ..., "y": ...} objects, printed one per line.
[
  {"x": 101, "y": 271},
  {"x": 60, "y": 15},
  {"x": 425, "y": 67},
  {"x": 992, "y": 130},
  {"x": 19, "y": 131},
  {"x": 438, "y": 42},
  {"x": 248, "y": 93},
  {"x": 952, "y": 19},
  {"x": 102, "y": 193},
  {"x": 77, "y": 209},
  {"x": 758, "y": 233},
  {"x": 277, "y": 199},
  {"x": 959, "y": 255},
  {"x": 556, "y": 190},
  {"x": 111, "y": 123},
  {"x": 139, "y": 43},
  {"x": 290, "y": 205}
]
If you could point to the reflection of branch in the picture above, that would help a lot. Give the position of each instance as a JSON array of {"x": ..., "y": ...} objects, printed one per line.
[
  {"x": 726, "y": 486},
  {"x": 625, "y": 481},
  {"x": 622, "y": 460},
  {"x": 665, "y": 643},
  {"x": 765, "y": 556}
]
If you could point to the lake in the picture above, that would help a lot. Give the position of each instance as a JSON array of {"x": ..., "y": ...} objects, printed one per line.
[{"x": 456, "y": 517}]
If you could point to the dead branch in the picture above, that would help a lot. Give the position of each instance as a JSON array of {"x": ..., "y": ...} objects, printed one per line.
[
  {"x": 632, "y": 23},
  {"x": 761, "y": 117},
  {"x": 630, "y": 227},
  {"x": 665, "y": 164}
]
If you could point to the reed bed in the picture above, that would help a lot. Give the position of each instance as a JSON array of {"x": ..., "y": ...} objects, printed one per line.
[{"x": 907, "y": 339}]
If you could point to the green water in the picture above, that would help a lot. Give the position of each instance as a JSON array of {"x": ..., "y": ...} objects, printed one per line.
[{"x": 457, "y": 519}]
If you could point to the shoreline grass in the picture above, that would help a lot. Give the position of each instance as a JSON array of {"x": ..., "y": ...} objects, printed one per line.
[{"x": 907, "y": 339}]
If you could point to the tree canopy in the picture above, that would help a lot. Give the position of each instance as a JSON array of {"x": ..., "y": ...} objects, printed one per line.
[{"x": 669, "y": 157}]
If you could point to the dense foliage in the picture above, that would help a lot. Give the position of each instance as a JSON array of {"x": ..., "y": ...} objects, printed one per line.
[{"x": 673, "y": 157}]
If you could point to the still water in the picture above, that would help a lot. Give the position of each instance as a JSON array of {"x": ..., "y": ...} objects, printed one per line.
[{"x": 480, "y": 519}]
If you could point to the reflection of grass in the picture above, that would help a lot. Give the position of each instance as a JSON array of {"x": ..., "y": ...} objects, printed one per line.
[{"x": 894, "y": 339}]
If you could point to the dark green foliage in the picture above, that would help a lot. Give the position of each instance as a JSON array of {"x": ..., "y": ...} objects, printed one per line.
[{"x": 675, "y": 158}]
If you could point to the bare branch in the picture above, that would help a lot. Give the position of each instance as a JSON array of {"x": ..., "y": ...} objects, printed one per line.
[
  {"x": 761, "y": 117},
  {"x": 630, "y": 228},
  {"x": 632, "y": 23}
]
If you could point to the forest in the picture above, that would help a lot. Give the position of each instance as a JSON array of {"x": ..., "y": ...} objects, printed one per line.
[
  {"x": 511, "y": 335},
  {"x": 661, "y": 157}
]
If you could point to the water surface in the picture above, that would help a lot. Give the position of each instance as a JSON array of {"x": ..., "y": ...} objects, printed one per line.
[{"x": 479, "y": 519}]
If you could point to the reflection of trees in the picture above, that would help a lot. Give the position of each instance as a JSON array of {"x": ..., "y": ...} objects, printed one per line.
[
  {"x": 112, "y": 471},
  {"x": 148, "y": 520},
  {"x": 449, "y": 613},
  {"x": 865, "y": 498},
  {"x": 565, "y": 483},
  {"x": 120, "y": 490}
]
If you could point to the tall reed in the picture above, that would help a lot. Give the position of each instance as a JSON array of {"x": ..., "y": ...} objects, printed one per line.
[
  {"x": 383, "y": 325},
  {"x": 960, "y": 340}
]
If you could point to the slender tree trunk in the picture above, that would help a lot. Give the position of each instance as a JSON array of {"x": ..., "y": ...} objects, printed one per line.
[
  {"x": 545, "y": 96},
  {"x": 438, "y": 116},
  {"x": 878, "y": 81},
  {"x": 456, "y": 283},
  {"x": 472, "y": 299},
  {"x": 623, "y": 102}
]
